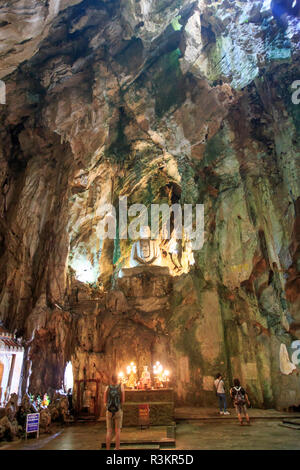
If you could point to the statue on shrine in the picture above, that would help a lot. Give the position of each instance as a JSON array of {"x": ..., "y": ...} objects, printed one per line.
[
  {"x": 46, "y": 401},
  {"x": 87, "y": 399},
  {"x": 12, "y": 407},
  {"x": 131, "y": 382},
  {"x": 146, "y": 378},
  {"x": 145, "y": 251},
  {"x": 27, "y": 404},
  {"x": 45, "y": 419},
  {"x": 9, "y": 426},
  {"x": 131, "y": 372}
]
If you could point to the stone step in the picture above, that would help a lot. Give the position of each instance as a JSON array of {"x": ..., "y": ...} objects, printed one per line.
[
  {"x": 135, "y": 447},
  {"x": 291, "y": 426},
  {"x": 138, "y": 447},
  {"x": 140, "y": 444},
  {"x": 193, "y": 414},
  {"x": 292, "y": 421},
  {"x": 86, "y": 419}
]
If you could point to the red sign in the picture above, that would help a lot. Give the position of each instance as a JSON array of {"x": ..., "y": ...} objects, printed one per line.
[{"x": 144, "y": 415}]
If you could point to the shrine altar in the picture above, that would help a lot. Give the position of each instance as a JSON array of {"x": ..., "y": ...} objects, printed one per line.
[{"x": 161, "y": 405}]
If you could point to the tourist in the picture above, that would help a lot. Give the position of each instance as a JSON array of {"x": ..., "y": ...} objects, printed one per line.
[
  {"x": 114, "y": 397},
  {"x": 220, "y": 392},
  {"x": 70, "y": 401},
  {"x": 240, "y": 398}
]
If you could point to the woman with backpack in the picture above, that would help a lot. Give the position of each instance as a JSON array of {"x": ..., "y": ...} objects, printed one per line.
[
  {"x": 240, "y": 398},
  {"x": 114, "y": 397}
]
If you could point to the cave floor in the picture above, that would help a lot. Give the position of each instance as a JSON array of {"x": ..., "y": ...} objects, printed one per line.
[{"x": 215, "y": 433}]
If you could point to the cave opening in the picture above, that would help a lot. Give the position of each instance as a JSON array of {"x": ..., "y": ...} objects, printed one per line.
[{"x": 68, "y": 377}]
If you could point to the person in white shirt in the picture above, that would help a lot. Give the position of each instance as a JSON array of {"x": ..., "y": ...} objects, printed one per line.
[{"x": 220, "y": 392}]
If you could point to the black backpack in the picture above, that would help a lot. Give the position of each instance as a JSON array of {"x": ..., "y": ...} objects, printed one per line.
[
  {"x": 114, "y": 398},
  {"x": 239, "y": 396}
]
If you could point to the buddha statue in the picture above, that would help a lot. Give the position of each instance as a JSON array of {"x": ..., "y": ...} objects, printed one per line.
[
  {"x": 146, "y": 378},
  {"x": 131, "y": 371},
  {"x": 145, "y": 251}
]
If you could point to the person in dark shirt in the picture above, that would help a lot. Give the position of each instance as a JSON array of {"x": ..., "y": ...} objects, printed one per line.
[
  {"x": 240, "y": 399},
  {"x": 70, "y": 401}
]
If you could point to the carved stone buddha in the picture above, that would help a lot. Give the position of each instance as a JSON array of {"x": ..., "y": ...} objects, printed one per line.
[{"x": 145, "y": 251}]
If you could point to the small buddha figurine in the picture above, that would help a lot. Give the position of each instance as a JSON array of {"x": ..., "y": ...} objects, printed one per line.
[
  {"x": 145, "y": 251},
  {"x": 146, "y": 378},
  {"x": 131, "y": 380},
  {"x": 131, "y": 371},
  {"x": 46, "y": 401}
]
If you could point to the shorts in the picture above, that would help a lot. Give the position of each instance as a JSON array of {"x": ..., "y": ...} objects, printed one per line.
[
  {"x": 114, "y": 421},
  {"x": 241, "y": 409}
]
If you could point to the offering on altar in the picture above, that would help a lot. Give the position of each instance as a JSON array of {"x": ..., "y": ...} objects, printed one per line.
[
  {"x": 122, "y": 378},
  {"x": 46, "y": 401},
  {"x": 38, "y": 402},
  {"x": 145, "y": 378},
  {"x": 161, "y": 376},
  {"x": 166, "y": 377},
  {"x": 157, "y": 371},
  {"x": 131, "y": 382},
  {"x": 131, "y": 372}
]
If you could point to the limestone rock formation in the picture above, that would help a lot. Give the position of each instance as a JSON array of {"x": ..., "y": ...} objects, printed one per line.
[
  {"x": 9, "y": 427},
  {"x": 162, "y": 102}
]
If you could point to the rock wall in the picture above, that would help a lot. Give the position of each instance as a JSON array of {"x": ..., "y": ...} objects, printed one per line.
[{"x": 173, "y": 101}]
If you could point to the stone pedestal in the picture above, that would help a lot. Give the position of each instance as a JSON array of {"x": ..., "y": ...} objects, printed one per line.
[
  {"x": 161, "y": 404},
  {"x": 149, "y": 269},
  {"x": 146, "y": 288}
]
